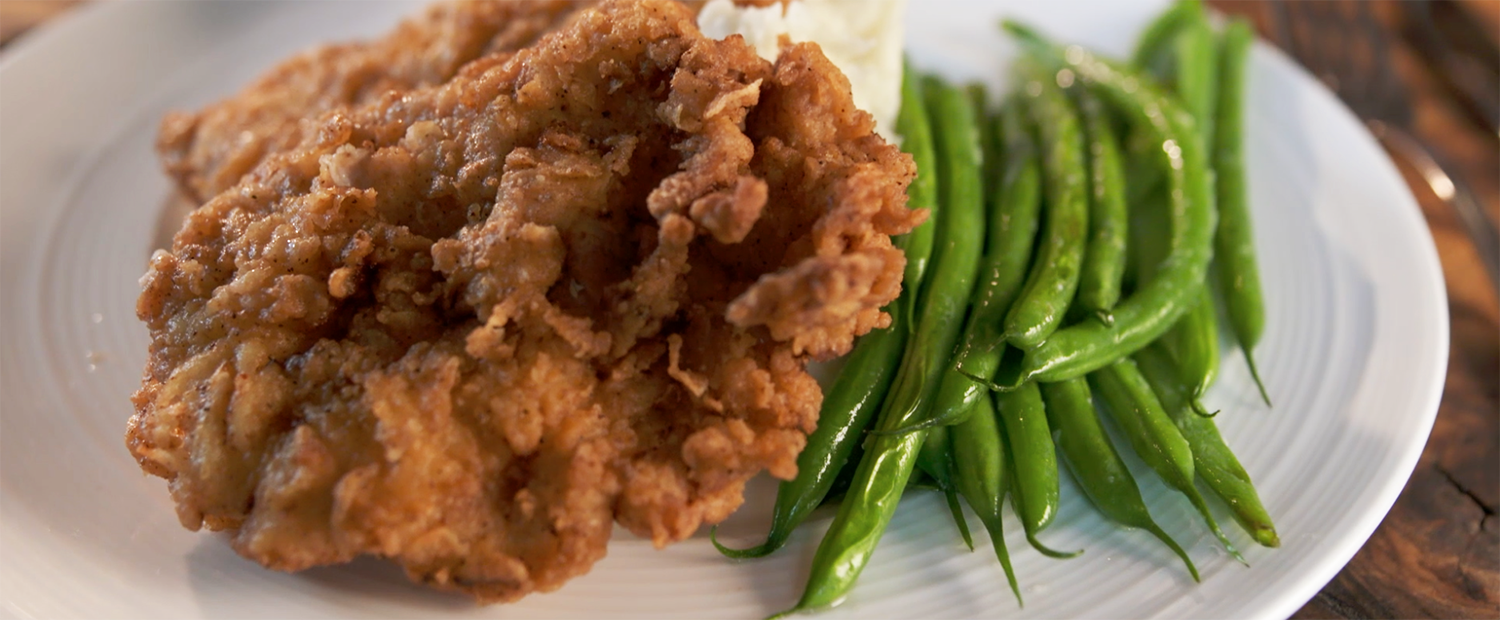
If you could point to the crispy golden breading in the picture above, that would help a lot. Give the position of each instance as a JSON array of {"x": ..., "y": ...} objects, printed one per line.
[
  {"x": 209, "y": 150},
  {"x": 467, "y": 327}
]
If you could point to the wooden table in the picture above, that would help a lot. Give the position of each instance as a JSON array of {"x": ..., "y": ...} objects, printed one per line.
[{"x": 1437, "y": 554}]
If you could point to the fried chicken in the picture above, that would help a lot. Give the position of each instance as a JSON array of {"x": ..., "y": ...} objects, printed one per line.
[
  {"x": 468, "y": 326},
  {"x": 209, "y": 150}
]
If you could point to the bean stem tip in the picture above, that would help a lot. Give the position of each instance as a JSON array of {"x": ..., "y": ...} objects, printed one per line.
[
  {"x": 1255, "y": 374},
  {"x": 758, "y": 551}
]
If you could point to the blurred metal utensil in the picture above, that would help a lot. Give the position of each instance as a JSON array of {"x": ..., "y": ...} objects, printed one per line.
[{"x": 1346, "y": 47}]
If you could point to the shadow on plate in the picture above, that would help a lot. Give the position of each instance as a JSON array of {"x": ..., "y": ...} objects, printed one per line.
[{"x": 227, "y": 584}]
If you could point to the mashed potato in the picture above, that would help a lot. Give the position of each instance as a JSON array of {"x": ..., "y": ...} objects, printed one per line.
[{"x": 862, "y": 37}]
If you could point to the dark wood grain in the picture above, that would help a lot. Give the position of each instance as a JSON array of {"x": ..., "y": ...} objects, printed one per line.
[{"x": 1437, "y": 554}]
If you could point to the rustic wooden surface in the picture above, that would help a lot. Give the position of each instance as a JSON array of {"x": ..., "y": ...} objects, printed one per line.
[{"x": 1437, "y": 554}]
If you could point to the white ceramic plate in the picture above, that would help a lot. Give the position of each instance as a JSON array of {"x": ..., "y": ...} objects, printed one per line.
[{"x": 1354, "y": 356}]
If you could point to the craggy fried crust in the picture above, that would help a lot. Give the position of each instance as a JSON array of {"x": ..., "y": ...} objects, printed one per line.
[
  {"x": 209, "y": 150},
  {"x": 467, "y": 327}
]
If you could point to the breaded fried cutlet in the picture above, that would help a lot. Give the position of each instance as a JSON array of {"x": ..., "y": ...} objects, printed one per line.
[
  {"x": 208, "y": 150},
  {"x": 468, "y": 326}
]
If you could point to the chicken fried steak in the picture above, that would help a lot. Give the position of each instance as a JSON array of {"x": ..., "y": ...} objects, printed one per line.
[
  {"x": 468, "y": 326},
  {"x": 209, "y": 150}
]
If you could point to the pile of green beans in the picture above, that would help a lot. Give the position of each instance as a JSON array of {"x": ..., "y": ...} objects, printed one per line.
[
  {"x": 889, "y": 459},
  {"x": 1061, "y": 281}
]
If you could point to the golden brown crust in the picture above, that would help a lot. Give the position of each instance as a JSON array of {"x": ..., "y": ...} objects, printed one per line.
[
  {"x": 209, "y": 150},
  {"x": 469, "y": 326}
]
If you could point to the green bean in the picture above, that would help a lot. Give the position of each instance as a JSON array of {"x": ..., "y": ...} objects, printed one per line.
[
  {"x": 1194, "y": 340},
  {"x": 935, "y": 458},
  {"x": 916, "y": 139},
  {"x": 872, "y": 498},
  {"x": 990, "y": 140},
  {"x": 1235, "y": 240},
  {"x": 979, "y": 97},
  {"x": 1143, "y": 176},
  {"x": 1013, "y": 212},
  {"x": 1155, "y": 305},
  {"x": 1096, "y": 465},
  {"x": 1153, "y": 435},
  {"x": 981, "y": 476},
  {"x": 1053, "y": 280},
  {"x": 848, "y": 409},
  {"x": 1144, "y": 191},
  {"x": 1160, "y": 34},
  {"x": 918, "y": 480},
  {"x": 1034, "y": 485},
  {"x": 1018, "y": 202},
  {"x": 851, "y": 403},
  {"x": 1156, "y": 55},
  {"x": 1150, "y": 232},
  {"x": 1194, "y": 343},
  {"x": 1104, "y": 260},
  {"x": 1179, "y": 51},
  {"x": 841, "y": 481},
  {"x": 1213, "y": 461},
  {"x": 1196, "y": 72}
]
